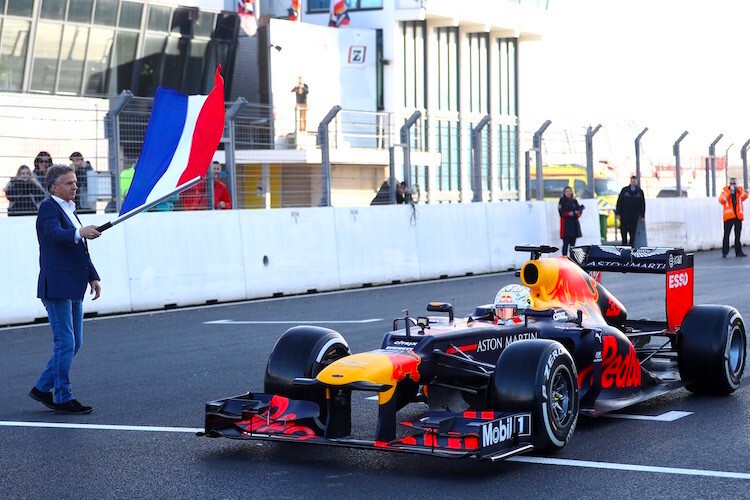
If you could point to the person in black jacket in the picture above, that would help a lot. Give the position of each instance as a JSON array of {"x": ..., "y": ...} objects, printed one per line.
[
  {"x": 383, "y": 197},
  {"x": 24, "y": 193},
  {"x": 570, "y": 211},
  {"x": 631, "y": 206}
]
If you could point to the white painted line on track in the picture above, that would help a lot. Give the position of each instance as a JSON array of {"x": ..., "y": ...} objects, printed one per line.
[
  {"x": 100, "y": 427},
  {"x": 669, "y": 416},
  {"x": 292, "y": 322},
  {"x": 521, "y": 459},
  {"x": 269, "y": 299},
  {"x": 630, "y": 467}
]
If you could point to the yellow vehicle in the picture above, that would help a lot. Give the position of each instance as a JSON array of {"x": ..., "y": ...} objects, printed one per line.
[{"x": 556, "y": 176}]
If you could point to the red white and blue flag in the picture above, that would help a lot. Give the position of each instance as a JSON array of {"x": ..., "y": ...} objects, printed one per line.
[
  {"x": 293, "y": 10},
  {"x": 338, "y": 15},
  {"x": 181, "y": 138}
]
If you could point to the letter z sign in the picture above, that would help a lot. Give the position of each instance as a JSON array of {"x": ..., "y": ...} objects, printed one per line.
[{"x": 357, "y": 54}]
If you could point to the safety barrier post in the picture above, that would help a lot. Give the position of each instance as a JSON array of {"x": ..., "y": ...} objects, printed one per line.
[
  {"x": 590, "y": 159},
  {"x": 743, "y": 154},
  {"x": 406, "y": 144},
  {"x": 712, "y": 156},
  {"x": 638, "y": 155},
  {"x": 325, "y": 155},
  {"x": 115, "y": 162},
  {"x": 229, "y": 149},
  {"x": 537, "y": 146},
  {"x": 677, "y": 170},
  {"x": 476, "y": 156}
]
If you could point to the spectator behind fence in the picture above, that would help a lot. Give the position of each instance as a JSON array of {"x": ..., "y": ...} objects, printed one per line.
[
  {"x": 570, "y": 211},
  {"x": 24, "y": 193},
  {"x": 42, "y": 162},
  {"x": 630, "y": 209},
  {"x": 300, "y": 91},
  {"x": 731, "y": 199},
  {"x": 65, "y": 271},
  {"x": 85, "y": 202},
  {"x": 383, "y": 197},
  {"x": 196, "y": 197}
]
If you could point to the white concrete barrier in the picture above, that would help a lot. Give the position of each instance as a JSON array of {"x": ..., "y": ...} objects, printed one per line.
[
  {"x": 157, "y": 259},
  {"x": 452, "y": 240},
  {"x": 288, "y": 251},
  {"x": 376, "y": 244},
  {"x": 183, "y": 258}
]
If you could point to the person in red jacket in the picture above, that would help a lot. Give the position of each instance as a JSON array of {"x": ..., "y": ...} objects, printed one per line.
[
  {"x": 195, "y": 198},
  {"x": 570, "y": 211},
  {"x": 731, "y": 199}
]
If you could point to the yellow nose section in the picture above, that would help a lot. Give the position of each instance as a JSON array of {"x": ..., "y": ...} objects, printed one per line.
[{"x": 378, "y": 367}]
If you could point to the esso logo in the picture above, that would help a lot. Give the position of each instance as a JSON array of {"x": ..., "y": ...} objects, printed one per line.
[{"x": 678, "y": 280}]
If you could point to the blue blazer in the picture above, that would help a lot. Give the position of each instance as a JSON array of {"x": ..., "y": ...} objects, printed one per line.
[{"x": 65, "y": 267}]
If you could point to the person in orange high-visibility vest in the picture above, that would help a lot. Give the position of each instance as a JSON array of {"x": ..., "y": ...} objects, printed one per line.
[{"x": 731, "y": 199}]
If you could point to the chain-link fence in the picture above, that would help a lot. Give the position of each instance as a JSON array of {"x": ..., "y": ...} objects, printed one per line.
[{"x": 268, "y": 159}]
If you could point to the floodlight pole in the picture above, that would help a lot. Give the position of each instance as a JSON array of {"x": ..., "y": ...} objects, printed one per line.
[
  {"x": 677, "y": 169},
  {"x": 537, "y": 143},
  {"x": 590, "y": 159},
  {"x": 712, "y": 157},
  {"x": 743, "y": 154},
  {"x": 638, "y": 155}
]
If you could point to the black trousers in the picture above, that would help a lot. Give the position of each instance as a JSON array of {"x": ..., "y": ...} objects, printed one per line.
[
  {"x": 728, "y": 225},
  {"x": 568, "y": 241},
  {"x": 628, "y": 228}
]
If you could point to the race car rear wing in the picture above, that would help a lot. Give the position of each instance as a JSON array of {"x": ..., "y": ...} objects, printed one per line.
[{"x": 674, "y": 263}]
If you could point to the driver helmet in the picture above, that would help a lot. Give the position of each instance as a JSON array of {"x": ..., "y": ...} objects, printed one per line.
[{"x": 511, "y": 300}]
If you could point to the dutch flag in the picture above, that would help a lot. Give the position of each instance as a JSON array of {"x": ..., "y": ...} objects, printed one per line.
[{"x": 181, "y": 138}]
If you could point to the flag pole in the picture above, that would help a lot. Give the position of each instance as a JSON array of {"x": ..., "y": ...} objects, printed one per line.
[{"x": 140, "y": 209}]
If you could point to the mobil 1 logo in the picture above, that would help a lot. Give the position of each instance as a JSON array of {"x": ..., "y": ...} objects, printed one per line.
[{"x": 497, "y": 433}]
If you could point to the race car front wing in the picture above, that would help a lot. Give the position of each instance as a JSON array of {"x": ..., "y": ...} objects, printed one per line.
[{"x": 486, "y": 435}]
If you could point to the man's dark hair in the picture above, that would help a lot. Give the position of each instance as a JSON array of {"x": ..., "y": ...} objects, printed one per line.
[
  {"x": 75, "y": 156},
  {"x": 633, "y": 177},
  {"x": 53, "y": 175}
]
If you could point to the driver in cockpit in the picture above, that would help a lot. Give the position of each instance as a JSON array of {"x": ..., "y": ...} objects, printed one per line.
[{"x": 510, "y": 303}]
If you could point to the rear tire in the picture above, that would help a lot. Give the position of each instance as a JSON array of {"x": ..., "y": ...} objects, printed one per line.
[
  {"x": 539, "y": 376},
  {"x": 303, "y": 351},
  {"x": 712, "y": 349}
]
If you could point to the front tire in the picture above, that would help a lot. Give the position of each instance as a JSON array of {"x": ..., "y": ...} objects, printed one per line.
[
  {"x": 539, "y": 376},
  {"x": 302, "y": 352},
  {"x": 711, "y": 350}
]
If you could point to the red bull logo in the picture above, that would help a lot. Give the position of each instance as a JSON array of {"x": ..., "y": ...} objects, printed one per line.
[
  {"x": 405, "y": 365},
  {"x": 573, "y": 286}
]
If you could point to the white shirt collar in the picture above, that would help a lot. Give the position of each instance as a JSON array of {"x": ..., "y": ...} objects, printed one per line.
[{"x": 70, "y": 205}]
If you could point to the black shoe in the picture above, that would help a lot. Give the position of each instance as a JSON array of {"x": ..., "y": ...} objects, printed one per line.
[
  {"x": 43, "y": 397},
  {"x": 73, "y": 407},
  {"x": 741, "y": 255},
  {"x": 723, "y": 256}
]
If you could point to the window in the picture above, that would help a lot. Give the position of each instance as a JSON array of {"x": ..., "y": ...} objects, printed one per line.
[
  {"x": 478, "y": 74},
  {"x": 80, "y": 10},
  {"x": 130, "y": 15},
  {"x": 73, "y": 57},
  {"x": 414, "y": 64},
  {"x": 52, "y": 9},
  {"x": 105, "y": 12},
  {"x": 158, "y": 18},
  {"x": 325, "y": 5},
  {"x": 193, "y": 80},
  {"x": 20, "y": 8},
  {"x": 204, "y": 25},
  {"x": 46, "y": 54},
  {"x": 97, "y": 61},
  {"x": 123, "y": 61},
  {"x": 13, "y": 48},
  {"x": 447, "y": 69}
]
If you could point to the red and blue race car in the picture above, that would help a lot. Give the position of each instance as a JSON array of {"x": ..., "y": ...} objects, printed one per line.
[{"x": 494, "y": 383}]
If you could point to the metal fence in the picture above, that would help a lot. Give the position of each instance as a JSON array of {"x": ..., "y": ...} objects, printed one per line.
[{"x": 270, "y": 160}]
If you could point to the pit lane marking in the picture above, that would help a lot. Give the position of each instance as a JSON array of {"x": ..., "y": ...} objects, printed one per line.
[
  {"x": 521, "y": 459},
  {"x": 669, "y": 416},
  {"x": 630, "y": 467},
  {"x": 293, "y": 322}
]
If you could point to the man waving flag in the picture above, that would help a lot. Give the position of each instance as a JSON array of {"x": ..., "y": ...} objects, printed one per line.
[{"x": 181, "y": 138}]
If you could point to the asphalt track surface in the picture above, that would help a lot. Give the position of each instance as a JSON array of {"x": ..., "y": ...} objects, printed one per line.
[{"x": 157, "y": 371}]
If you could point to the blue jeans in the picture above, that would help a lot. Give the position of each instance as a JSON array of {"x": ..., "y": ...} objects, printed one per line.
[{"x": 66, "y": 321}]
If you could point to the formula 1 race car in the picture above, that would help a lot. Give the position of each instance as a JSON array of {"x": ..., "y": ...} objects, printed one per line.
[{"x": 497, "y": 383}]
